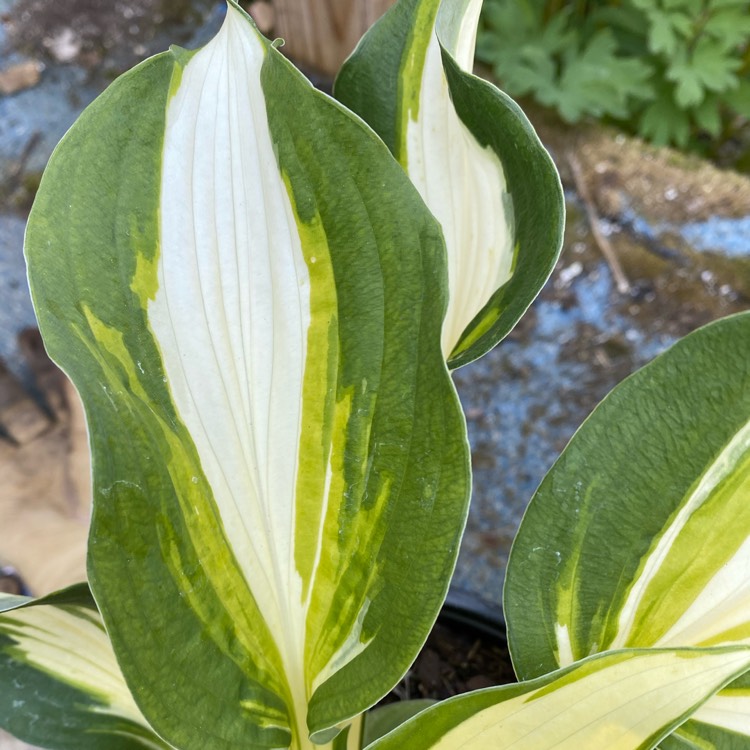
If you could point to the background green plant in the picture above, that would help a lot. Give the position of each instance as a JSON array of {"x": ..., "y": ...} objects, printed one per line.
[{"x": 673, "y": 71}]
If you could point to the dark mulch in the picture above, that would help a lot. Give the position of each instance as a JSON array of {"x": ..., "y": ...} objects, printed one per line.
[{"x": 455, "y": 659}]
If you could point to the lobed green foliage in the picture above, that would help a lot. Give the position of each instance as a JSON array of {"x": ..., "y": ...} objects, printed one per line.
[{"x": 673, "y": 71}]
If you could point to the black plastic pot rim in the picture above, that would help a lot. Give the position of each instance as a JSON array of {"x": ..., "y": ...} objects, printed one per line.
[{"x": 466, "y": 609}]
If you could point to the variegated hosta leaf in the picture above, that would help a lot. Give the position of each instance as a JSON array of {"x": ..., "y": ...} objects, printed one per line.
[
  {"x": 350, "y": 738},
  {"x": 61, "y": 686},
  {"x": 621, "y": 700},
  {"x": 248, "y": 293},
  {"x": 640, "y": 534},
  {"x": 474, "y": 158},
  {"x": 383, "y": 719},
  {"x": 723, "y": 723}
]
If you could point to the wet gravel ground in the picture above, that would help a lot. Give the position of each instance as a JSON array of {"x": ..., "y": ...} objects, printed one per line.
[
  {"x": 16, "y": 312},
  {"x": 525, "y": 399}
]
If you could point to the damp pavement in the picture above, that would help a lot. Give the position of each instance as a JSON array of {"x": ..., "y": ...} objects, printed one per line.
[{"x": 525, "y": 399}]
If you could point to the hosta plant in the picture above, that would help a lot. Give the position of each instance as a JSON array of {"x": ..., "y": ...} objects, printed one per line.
[{"x": 259, "y": 295}]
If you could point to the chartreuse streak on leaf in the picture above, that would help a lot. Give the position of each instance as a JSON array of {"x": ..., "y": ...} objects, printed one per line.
[
  {"x": 63, "y": 685},
  {"x": 714, "y": 602},
  {"x": 676, "y": 573},
  {"x": 620, "y": 700},
  {"x": 462, "y": 183},
  {"x": 183, "y": 471},
  {"x": 474, "y": 158},
  {"x": 248, "y": 292},
  {"x": 466, "y": 190}
]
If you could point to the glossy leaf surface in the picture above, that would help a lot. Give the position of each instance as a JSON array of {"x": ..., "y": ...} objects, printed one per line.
[
  {"x": 62, "y": 687},
  {"x": 640, "y": 534},
  {"x": 474, "y": 158},
  {"x": 248, "y": 293},
  {"x": 624, "y": 700}
]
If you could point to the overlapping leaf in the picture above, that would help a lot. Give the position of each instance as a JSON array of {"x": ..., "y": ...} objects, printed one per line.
[
  {"x": 474, "y": 158},
  {"x": 640, "y": 534},
  {"x": 625, "y": 700},
  {"x": 723, "y": 723},
  {"x": 248, "y": 293},
  {"x": 61, "y": 686}
]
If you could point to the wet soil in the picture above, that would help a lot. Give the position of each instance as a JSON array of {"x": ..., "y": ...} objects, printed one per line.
[
  {"x": 92, "y": 33},
  {"x": 582, "y": 336},
  {"x": 455, "y": 659}
]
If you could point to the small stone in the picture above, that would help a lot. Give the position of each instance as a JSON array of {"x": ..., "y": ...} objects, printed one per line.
[
  {"x": 571, "y": 272},
  {"x": 21, "y": 76},
  {"x": 64, "y": 46},
  {"x": 608, "y": 228}
]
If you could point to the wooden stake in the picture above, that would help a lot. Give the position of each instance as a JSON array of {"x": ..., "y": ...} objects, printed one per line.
[
  {"x": 322, "y": 33},
  {"x": 602, "y": 242}
]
